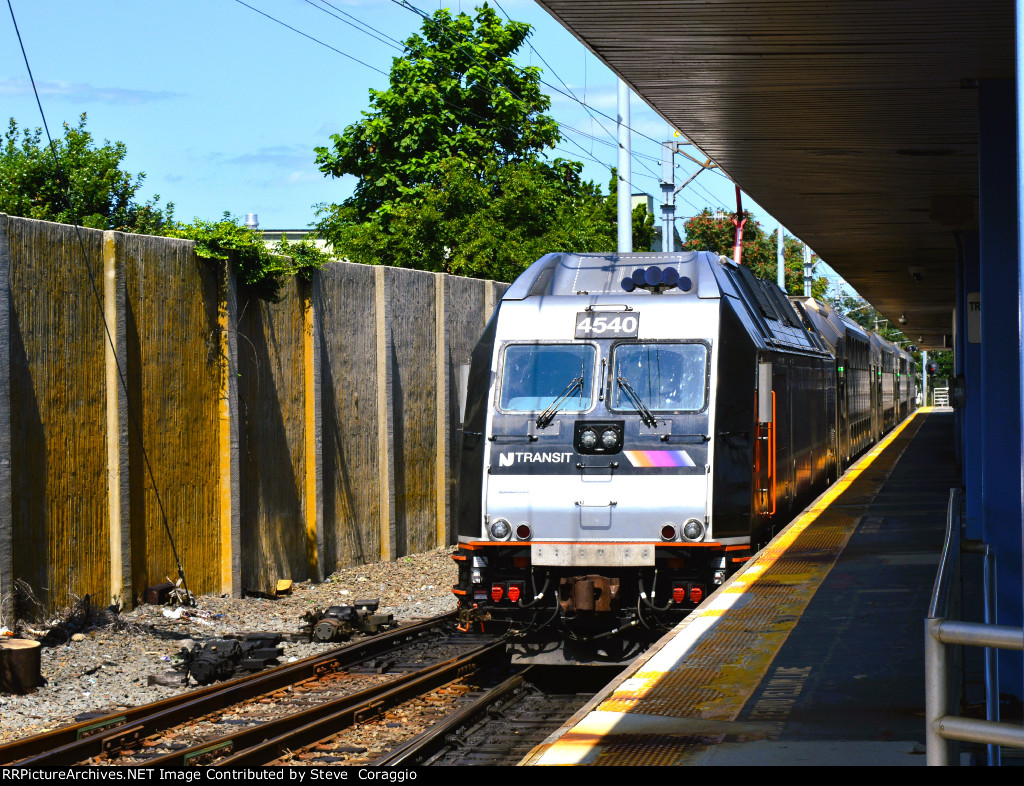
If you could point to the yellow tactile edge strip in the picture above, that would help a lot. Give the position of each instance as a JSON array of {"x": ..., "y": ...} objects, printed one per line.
[{"x": 688, "y": 693}]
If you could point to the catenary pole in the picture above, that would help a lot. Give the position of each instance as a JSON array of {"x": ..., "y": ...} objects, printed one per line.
[
  {"x": 625, "y": 218},
  {"x": 780, "y": 260}
]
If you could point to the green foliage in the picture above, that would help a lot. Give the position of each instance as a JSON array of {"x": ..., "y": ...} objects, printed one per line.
[
  {"x": 465, "y": 227},
  {"x": 717, "y": 233},
  {"x": 253, "y": 262},
  {"x": 945, "y": 372},
  {"x": 449, "y": 165},
  {"x": 88, "y": 187},
  {"x": 456, "y": 100},
  {"x": 306, "y": 256}
]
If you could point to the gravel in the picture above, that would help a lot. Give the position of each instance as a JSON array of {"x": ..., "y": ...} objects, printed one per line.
[{"x": 100, "y": 665}]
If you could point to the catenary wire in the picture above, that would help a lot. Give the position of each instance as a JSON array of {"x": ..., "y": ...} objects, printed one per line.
[{"x": 99, "y": 300}]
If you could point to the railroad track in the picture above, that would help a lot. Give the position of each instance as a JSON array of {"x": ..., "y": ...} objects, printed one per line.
[
  {"x": 503, "y": 724},
  {"x": 416, "y": 696},
  {"x": 135, "y": 736}
]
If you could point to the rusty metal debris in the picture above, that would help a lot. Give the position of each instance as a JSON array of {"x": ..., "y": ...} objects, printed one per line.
[
  {"x": 337, "y": 623},
  {"x": 219, "y": 659}
]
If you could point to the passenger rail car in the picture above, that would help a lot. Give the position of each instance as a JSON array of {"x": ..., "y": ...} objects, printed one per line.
[{"x": 637, "y": 426}]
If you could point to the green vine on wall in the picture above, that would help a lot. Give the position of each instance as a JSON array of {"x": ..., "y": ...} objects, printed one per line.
[{"x": 253, "y": 262}]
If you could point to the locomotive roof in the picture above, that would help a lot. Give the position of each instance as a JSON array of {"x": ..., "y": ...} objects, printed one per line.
[
  {"x": 595, "y": 274},
  {"x": 769, "y": 315}
]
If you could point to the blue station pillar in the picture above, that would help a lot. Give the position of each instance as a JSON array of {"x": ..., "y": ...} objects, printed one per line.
[
  {"x": 1000, "y": 390},
  {"x": 968, "y": 364}
]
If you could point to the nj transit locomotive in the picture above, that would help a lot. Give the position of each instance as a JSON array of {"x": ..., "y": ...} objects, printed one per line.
[{"x": 639, "y": 425}]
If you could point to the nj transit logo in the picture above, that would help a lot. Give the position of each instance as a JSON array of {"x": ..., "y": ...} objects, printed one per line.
[{"x": 511, "y": 458}]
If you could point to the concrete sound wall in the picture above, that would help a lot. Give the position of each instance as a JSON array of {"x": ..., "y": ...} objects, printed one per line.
[{"x": 265, "y": 441}]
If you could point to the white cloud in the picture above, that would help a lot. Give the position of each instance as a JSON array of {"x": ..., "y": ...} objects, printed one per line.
[{"x": 77, "y": 91}]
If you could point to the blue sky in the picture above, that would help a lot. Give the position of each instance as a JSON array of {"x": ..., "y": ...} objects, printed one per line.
[{"x": 221, "y": 107}]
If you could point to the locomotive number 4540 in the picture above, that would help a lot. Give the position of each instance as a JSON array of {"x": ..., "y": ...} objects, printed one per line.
[{"x": 591, "y": 325}]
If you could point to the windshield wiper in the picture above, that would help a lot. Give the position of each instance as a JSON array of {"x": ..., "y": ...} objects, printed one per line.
[
  {"x": 548, "y": 414},
  {"x": 645, "y": 414}
]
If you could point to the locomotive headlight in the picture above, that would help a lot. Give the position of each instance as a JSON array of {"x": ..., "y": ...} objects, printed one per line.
[
  {"x": 610, "y": 438},
  {"x": 500, "y": 529},
  {"x": 693, "y": 530},
  {"x": 588, "y": 438}
]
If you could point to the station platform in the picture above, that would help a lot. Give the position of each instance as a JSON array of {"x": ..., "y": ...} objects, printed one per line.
[{"x": 814, "y": 653}]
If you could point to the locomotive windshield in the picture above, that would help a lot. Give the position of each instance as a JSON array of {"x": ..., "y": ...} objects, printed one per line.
[
  {"x": 535, "y": 375},
  {"x": 666, "y": 377}
]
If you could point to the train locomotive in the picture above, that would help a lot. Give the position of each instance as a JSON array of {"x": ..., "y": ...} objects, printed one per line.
[{"x": 637, "y": 426}]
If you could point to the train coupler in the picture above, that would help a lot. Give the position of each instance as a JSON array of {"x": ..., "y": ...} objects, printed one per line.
[{"x": 470, "y": 618}]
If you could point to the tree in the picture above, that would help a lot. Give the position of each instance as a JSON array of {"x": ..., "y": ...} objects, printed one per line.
[
  {"x": 450, "y": 162},
  {"x": 716, "y": 232},
  {"x": 88, "y": 187},
  {"x": 456, "y": 100}
]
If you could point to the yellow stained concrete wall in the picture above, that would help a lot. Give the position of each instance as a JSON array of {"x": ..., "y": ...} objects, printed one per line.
[
  {"x": 173, "y": 377},
  {"x": 58, "y": 422},
  {"x": 281, "y": 440}
]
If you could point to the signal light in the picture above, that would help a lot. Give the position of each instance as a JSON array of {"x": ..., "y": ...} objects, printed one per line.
[
  {"x": 515, "y": 591},
  {"x": 524, "y": 532},
  {"x": 497, "y": 591},
  {"x": 679, "y": 593},
  {"x": 627, "y": 284},
  {"x": 696, "y": 593},
  {"x": 668, "y": 532}
]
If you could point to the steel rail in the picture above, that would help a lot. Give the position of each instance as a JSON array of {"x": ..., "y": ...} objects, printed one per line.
[
  {"x": 257, "y": 746},
  {"x": 72, "y": 744},
  {"x": 421, "y": 747}
]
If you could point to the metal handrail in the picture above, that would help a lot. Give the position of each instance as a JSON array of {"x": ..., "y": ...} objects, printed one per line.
[{"x": 944, "y": 630}]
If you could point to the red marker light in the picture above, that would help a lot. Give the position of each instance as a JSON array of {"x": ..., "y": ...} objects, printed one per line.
[
  {"x": 696, "y": 593},
  {"x": 514, "y": 591},
  {"x": 497, "y": 590},
  {"x": 679, "y": 593}
]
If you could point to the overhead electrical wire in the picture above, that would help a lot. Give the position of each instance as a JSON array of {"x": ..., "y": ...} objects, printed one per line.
[
  {"x": 311, "y": 38},
  {"x": 427, "y": 18},
  {"x": 377, "y": 70},
  {"x": 358, "y": 24},
  {"x": 567, "y": 93},
  {"x": 66, "y": 186}
]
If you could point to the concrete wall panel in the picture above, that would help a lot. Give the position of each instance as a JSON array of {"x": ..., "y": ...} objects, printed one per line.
[
  {"x": 58, "y": 416},
  {"x": 173, "y": 378},
  {"x": 272, "y": 455},
  {"x": 261, "y": 441},
  {"x": 344, "y": 299},
  {"x": 411, "y": 355},
  {"x": 465, "y": 319}
]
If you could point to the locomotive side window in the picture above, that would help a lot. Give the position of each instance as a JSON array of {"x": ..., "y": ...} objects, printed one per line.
[
  {"x": 667, "y": 377},
  {"x": 533, "y": 376}
]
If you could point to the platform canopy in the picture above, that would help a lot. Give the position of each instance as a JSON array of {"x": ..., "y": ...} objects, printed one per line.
[{"x": 855, "y": 123}]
